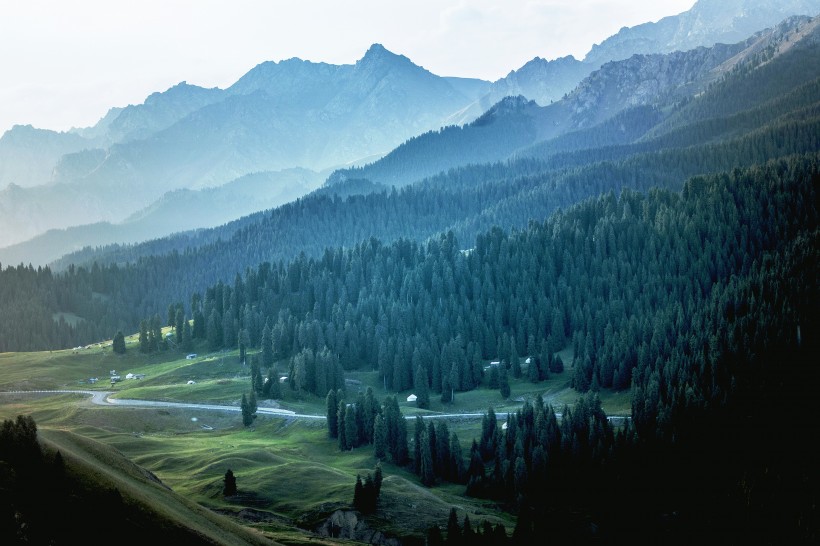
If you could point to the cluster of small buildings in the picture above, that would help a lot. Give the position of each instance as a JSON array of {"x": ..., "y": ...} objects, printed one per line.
[{"x": 115, "y": 377}]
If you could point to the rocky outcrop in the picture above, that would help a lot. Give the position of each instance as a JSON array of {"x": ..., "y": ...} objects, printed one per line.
[{"x": 350, "y": 524}]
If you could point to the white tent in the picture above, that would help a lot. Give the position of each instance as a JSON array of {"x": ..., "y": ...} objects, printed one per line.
[{"x": 412, "y": 398}]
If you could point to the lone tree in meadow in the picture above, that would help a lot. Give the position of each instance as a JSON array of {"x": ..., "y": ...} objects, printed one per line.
[
  {"x": 118, "y": 344},
  {"x": 230, "y": 484},
  {"x": 247, "y": 413}
]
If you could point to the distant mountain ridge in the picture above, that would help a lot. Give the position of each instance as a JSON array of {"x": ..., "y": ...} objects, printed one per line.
[
  {"x": 316, "y": 115},
  {"x": 613, "y": 90},
  {"x": 279, "y": 115},
  {"x": 708, "y": 22},
  {"x": 719, "y": 108}
]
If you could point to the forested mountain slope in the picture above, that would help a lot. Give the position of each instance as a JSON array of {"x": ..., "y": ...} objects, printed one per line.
[{"x": 778, "y": 120}]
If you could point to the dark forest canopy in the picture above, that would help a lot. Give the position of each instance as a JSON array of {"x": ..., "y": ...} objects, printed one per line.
[{"x": 701, "y": 301}]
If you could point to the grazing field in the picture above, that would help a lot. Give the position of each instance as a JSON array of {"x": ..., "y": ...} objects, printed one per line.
[{"x": 290, "y": 475}]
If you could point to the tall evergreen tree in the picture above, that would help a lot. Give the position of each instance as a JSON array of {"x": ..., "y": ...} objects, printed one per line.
[
  {"x": 422, "y": 390},
  {"x": 453, "y": 529},
  {"x": 267, "y": 346},
  {"x": 332, "y": 406},
  {"x": 341, "y": 428},
  {"x": 418, "y": 432},
  {"x": 179, "y": 325},
  {"x": 252, "y": 403},
  {"x": 426, "y": 469},
  {"x": 229, "y": 484},
  {"x": 456, "y": 462},
  {"x": 503, "y": 382},
  {"x": 144, "y": 344},
  {"x": 187, "y": 337},
  {"x": 118, "y": 343},
  {"x": 379, "y": 438},
  {"x": 351, "y": 427},
  {"x": 515, "y": 362},
  {"x": 247, "y": 414}
]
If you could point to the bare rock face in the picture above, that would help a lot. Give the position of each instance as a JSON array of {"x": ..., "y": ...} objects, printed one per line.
[
  {"x": 708, "y": 22},
  {"x": 349, "y": 524}
]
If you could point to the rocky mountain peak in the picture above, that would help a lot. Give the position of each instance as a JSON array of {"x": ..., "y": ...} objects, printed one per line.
[{"x": 379, "y": 56}]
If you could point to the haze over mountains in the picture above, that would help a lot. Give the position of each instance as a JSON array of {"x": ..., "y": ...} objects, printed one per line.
[
  {"x": 708, "y": 22},
  {"x": 763, "y": 104},
  {"x": 185, "y": 142}
]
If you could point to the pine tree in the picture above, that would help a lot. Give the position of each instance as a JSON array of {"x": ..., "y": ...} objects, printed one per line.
[
  {"x": 446, "y": 391},
  {"x": 179, "y": 325},
  {"x": 243, "y": 340},
  {"x": 515, "y": 364},
  {"x": 144, "y": 345},
  {"x": 503, "y": 382},
  {"x": 252, "y": 403},
  {"x": 118, "y": 344},
  {"x": 422, "y": 389},
  {"x": 492, "y": 381},
  {"x": 332, "y": 407},
  {"x": 276, "y": 386},
  {"x": 426, "y": 469},
  {"x": 155, "y": 339},
  {"x": 379, "y": 438},
  {"x": 247, "y": 414},
  {"x": 557, "y": 365},
  {"x": 187, "y": 337},
  {"x": 467, "y": 535},
  {"x": 267, "y": 346},
  {"x": 351, "y": 427},
  {"x": 453, "y": 529},
  {"x": 341, "y": 429},
  {"x": 456, "y": 463},
  {"x": 378, "y": 477},
  {"x": 417, "y": 434},
  {"x": 229, "y": 488},
  {"x": 358, "y": 494},
  {"x": 371, "y": 410},
  {"x": 442, "y": 454},
  {"x": 533, "y": 371}
]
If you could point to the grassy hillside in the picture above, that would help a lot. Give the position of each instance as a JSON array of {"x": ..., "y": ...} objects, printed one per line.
[
  {"x": 148, "y": 509},
  {"x": 168, "y": 464}
]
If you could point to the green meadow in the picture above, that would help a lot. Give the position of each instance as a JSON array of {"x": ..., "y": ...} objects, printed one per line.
[{"x": 290, "y": 475}]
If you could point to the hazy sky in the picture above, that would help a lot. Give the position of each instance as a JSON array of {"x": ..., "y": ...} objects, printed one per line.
[{"x": 65, "y": 63}]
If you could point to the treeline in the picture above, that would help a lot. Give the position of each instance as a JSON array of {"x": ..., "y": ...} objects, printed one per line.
[
  {"x": 705, "y": 456},
  {"x": 603, "y": 276}
]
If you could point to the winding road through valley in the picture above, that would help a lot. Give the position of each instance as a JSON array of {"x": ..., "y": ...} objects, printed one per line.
[{"x": 102, "y": 398}]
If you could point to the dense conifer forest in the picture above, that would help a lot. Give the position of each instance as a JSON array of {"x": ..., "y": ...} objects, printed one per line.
[{"x": 673, "y": 248}]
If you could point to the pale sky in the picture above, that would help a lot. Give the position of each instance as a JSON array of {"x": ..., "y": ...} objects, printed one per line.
[{"x": 64, "y": 63}]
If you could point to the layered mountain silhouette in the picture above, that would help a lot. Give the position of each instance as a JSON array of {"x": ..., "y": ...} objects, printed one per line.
[
  {"x": 161, "y": 156},
  {"x": 706, "y": 110},
  {"x": 278, "y": 116},
  {"x": 708, "y": 22},
  {"x": 614, "y": 105}
]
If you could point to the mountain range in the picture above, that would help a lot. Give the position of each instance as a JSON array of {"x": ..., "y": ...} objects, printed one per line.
[
  {"x": 711, "y": 109},
  {"x": 142, "y": 167}
]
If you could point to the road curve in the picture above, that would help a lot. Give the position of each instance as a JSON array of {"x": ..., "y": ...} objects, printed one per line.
[{"x": 102, "y": 398}]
